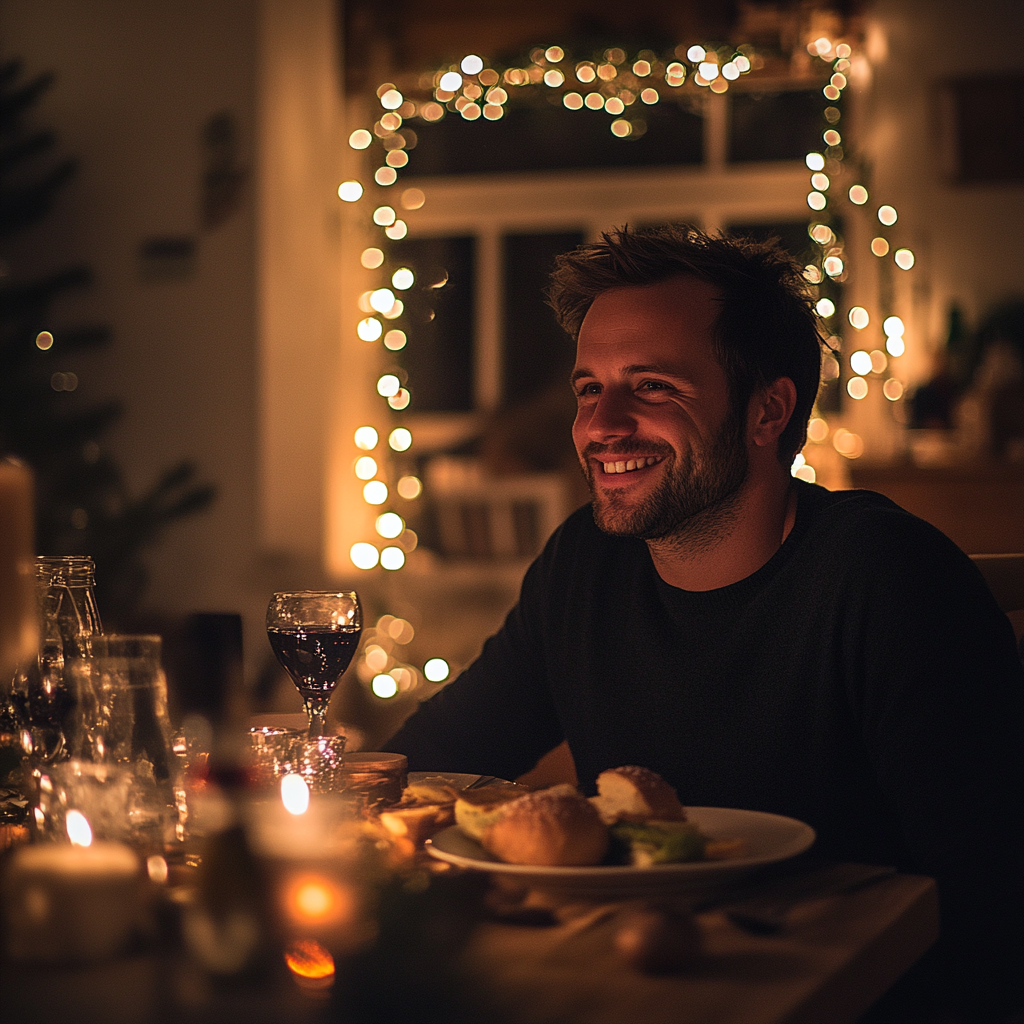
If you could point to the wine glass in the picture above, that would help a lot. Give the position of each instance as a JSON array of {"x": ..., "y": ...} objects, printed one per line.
[{"x": 314, "y": 634}]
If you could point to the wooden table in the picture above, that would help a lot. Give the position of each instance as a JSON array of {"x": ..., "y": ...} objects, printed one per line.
[{"x": 836, "y": 957}]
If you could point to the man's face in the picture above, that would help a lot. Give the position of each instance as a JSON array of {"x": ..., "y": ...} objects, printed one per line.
[{"x": 656, "y": 436}]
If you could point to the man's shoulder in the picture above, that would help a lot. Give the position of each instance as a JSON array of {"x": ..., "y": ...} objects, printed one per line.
[{"x": 869, "y": 532}]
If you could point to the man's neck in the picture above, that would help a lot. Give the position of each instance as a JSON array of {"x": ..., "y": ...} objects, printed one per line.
[{"x": 734, "y": 544}]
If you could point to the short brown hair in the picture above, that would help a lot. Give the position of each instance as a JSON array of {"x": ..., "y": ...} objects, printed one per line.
[{"x": 766, "y": 328}]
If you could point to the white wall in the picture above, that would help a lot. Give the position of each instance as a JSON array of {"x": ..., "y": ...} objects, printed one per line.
[
  {"x": 966, "y": 237},
  {"x": 136, "y": 81}
]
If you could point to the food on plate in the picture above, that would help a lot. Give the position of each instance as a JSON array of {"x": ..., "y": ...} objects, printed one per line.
[
  {"x": 632, "y": 793},
  {"x": 429, "y": 792},
  {"x": 426, "y": 807},
  {"x": 551, "y": 827},
  {"x": 477, "y": 809},
  {"x": 658, "y": 842},
  {"x": 417, "y": 822},
  {"x": 635, "y": 819}
]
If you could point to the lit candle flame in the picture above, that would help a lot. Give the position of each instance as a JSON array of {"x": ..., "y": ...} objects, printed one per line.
[
  {"x": 295, "y": 794},
  {"x": 79, "y": 830}
]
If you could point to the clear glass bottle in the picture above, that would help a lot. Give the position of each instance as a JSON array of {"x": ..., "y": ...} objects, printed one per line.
[{"x": 68, "y": 620}]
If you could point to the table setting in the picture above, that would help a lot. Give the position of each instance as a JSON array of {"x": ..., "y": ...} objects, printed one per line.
[{"x": 153, "y": 871}]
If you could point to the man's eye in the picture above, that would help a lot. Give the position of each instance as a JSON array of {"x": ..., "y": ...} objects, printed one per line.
[
  {"x": 653, "y": 385},
  {"x": 588, "y": 389}
]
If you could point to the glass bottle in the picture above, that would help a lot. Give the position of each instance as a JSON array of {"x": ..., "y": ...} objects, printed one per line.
[{"x": 68, "y": 620}]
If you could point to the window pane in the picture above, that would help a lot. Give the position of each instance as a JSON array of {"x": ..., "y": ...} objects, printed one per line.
[
  {"x": 438, "y": 321},
  {"x": 779, "y": 126},
  {"x": 538, "y": 354},
  {"x": 553, "y": 138}
]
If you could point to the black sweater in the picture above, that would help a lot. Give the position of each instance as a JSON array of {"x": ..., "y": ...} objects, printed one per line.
[{"x": 863, "y": 680}]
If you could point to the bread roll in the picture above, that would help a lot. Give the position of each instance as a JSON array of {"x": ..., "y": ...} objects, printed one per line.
[
  {"x": 551, "y": 828},
  {"x": 631, "y": 793}
]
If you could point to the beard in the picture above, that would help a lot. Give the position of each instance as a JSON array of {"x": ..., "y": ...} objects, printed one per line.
[{"x": 696, "y": 499}]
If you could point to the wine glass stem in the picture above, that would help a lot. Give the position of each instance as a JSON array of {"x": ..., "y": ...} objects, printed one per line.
[{"x": 316, "y": 708}]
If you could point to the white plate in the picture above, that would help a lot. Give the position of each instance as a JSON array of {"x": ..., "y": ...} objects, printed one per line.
[
  {"x": 770, "y": 838},
  {"x": 460, "y": 780}
]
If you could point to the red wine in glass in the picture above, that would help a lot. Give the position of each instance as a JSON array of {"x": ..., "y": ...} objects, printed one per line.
[{"x": 314, "y": 635}]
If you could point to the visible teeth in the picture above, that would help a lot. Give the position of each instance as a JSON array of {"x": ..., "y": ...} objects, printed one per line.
[{"x": 628, "y": 467}]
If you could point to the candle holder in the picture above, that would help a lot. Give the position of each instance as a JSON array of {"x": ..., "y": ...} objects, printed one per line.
[
  {"x": 321, "y": 762},
  {"x": 275, "y": 752}
]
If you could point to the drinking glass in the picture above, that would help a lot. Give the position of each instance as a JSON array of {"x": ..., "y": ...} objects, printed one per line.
[{"x": 314, "y": 635}]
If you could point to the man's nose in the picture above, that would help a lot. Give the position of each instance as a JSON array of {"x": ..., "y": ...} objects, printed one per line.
[{"x": 610, "y": 418}]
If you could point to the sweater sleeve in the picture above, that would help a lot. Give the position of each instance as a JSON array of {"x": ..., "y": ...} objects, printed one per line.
[
  {"x": 941, "y": 705},
  {"x": 497, "y": 717}
]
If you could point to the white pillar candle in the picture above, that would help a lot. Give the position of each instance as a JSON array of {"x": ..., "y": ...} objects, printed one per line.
[
  {"x": 71, "y": 903},
  {"x": 18, "y": 625}
]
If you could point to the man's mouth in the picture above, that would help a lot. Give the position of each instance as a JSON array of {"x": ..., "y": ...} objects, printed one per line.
[{"x": 630, "y": 465}]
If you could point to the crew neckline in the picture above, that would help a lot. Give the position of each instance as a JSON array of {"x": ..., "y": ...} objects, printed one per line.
[{"x": 736, "y": 594}]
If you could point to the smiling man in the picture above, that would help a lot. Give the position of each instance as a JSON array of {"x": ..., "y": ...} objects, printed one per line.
[{"x": 759, "y": 641}]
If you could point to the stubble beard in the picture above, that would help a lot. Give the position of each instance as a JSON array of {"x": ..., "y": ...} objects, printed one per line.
[{"x": 694, "y": 505}]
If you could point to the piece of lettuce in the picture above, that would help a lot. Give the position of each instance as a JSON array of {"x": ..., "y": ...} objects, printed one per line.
[{"x": 662, "y": 842}]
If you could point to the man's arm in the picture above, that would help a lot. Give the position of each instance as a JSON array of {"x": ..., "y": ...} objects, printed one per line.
[
  {"x": 942, "y": 714},
  {"x": 497, "y": 718}
]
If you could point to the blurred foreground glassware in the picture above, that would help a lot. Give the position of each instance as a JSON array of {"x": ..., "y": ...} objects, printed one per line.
[
  {"x": 99, "y": 792},
  {"x": 275, "y": 751},
  {"x": 320, "y": 760},
  {"x": 68, "y": 620},
  {"x": 314, "y": 635}
]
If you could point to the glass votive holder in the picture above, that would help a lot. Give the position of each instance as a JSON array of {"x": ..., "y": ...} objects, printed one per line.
[
  {"x": 274, "y": 752},
  {"x": 99, "y": 792},
  {"x": 320, "y": 760},
  {"x": 372, "y": 780}
]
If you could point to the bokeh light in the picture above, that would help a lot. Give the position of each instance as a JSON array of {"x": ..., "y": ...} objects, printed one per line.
[
  {"x": 389, "y": 525},
  {"x": 392, "y": 558},
  {"x": 375, "y": 492},
  {"x": 372, "y": 258},
  {"x": 904, "y": 258},
  {"x": 410, "y": 487},
  {"x": 384, "y": 686},
  {"x": 859, "y": 317},
  {"x": 857, "y": 387},
  {"x": 369, "y": 329},
  {"x": 860, "y": 362},
  {"x": 350, "y": 191},
  {"x": 892, "y": 389},
  {"x": 436, "y": 670},
  {"x": 400, "y": 439},
  {"x": 366, "y": 438},
  {"x": 366, "y": 467}
]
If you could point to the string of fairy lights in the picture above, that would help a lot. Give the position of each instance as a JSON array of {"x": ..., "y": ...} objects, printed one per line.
[
  {"x": 826, "y": 198},
  {"x": 624, "y": 89}
]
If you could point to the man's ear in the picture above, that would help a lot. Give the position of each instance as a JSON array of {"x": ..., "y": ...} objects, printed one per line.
[{"x": 770, "y": 411}]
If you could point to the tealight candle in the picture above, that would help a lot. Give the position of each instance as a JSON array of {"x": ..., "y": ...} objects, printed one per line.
[
  {"x": 17, "y": 596},
  {"x": 71, "y": 903}
]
